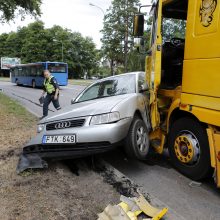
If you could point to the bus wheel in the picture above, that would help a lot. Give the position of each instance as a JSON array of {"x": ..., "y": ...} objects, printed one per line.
[
  {"x": 137, "y": 141},
  {"x": 33, "y": 84},
  {"x": 189, "y": 148}
]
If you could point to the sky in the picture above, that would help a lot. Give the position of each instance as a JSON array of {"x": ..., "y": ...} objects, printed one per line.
[{"x": 76, "y": 15}]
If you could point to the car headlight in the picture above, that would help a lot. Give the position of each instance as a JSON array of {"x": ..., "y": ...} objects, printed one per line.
[
  {"x": 40, "y": 128},
  {"x": 105, "y": 118}
]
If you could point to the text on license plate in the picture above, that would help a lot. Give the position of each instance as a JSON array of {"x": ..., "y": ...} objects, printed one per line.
[{"x": 59, "y": 139}]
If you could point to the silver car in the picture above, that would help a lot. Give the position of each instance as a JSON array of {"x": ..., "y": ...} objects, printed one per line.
[{"x": 111, "y": 112}]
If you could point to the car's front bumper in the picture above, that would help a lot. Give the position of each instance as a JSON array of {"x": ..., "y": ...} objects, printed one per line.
[{"x": 89, "y": 140}]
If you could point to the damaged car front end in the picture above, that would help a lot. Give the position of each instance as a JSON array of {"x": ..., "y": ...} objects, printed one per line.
[{"x": 91, "y": 125}]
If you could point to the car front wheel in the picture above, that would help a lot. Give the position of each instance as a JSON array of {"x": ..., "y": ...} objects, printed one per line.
[{"x": 137, "y": 141}]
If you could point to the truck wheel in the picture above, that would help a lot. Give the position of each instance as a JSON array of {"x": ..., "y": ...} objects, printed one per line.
[
  {"x": 137, "y": 141},
  {"x": 33, "y": 84},
  {"x": 189, "y": 148}
]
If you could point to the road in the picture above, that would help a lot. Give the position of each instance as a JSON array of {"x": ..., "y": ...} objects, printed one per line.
[
  {"x": 156, "y": 176},
  {"x": 29, "y": 97}
]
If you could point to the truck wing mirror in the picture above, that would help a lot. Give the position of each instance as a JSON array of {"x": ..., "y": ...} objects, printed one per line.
[{"x": 138, "y": 28}]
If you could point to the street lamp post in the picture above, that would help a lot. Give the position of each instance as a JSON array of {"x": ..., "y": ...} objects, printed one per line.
[
  {"x": 93, "y": 5},
  {"x": 61, "y": 46}
]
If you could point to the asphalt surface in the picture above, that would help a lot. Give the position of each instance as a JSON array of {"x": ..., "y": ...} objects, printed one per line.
[
  {"x": 156, "y": 176},
  {"x": 29, "y": 97}
]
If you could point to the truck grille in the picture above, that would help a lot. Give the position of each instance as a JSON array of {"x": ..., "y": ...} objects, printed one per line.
[{"x": 65, "y": 124}]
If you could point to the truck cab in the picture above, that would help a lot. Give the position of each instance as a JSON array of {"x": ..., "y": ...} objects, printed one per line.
[{"x": 182, "y": 74}]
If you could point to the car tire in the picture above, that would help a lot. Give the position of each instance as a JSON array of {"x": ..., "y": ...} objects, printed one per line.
[
  {"x": 33, "y": 84},
  {"x": 137, "y": 141},
  {"x": 188, "y": 140}
]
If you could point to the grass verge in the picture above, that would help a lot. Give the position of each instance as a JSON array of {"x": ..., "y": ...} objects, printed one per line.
[
  {"x": 80, "y": 82},
  {"x": 54, "y": 193},
  {"x": 5, "y": 79},
  {"x": 10, "y": 107}
]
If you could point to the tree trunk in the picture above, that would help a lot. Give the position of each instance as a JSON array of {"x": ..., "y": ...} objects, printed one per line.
[{"x": 126, "y": 40}]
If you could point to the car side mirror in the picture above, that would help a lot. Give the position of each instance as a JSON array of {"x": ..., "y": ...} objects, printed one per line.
[
  {"x": 138, "y": 28},
  {"x": 144, "y": 88}
]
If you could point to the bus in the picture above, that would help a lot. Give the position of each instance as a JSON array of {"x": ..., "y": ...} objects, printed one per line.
[{"x": 32, "y": 74}]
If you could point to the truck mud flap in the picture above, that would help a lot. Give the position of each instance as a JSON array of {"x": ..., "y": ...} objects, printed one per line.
[{"x": 30, "y": 161}]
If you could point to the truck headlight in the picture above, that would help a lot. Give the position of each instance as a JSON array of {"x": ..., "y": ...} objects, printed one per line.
[
  {"x": 40, "y": 128},
  {"x": 105, "y": 118}
]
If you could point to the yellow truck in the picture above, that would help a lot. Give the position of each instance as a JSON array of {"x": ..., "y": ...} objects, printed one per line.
[{"x": 183, "y": 79}]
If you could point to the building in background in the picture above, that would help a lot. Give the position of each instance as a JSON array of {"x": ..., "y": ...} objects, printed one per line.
[{"x": 7, "y": 63}]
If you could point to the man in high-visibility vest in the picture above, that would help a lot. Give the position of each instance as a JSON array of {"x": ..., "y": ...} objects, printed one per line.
[{"x": 50, "y": 87}]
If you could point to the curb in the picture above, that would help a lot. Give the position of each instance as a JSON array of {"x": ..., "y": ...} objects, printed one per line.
[{"x": 134, "y": 189}]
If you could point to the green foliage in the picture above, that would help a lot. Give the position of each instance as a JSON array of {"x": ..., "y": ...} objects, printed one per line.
[
  {"x": 173, "y": 28},
  {"x": 35, "y": 43},
  {"x": 117, "y": 37},
  {"x": 9, "y": 106},
  {"x": 136, "y": 61},
  {"x": 12, "y": 8},
  {"x": 104, "y": 71}
]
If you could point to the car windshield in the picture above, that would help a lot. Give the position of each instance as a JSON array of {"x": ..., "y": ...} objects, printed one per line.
[{"x": 110, "y": 87}]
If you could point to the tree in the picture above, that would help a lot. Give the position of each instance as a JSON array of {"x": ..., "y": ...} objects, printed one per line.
[
  {"x": 35, "y": 43},
  {"x": 136, "y": 61},
  {"x": 12, "y": 8},
  {"x": 117, "y": 32},
  {"x": 173, "y": 28}
]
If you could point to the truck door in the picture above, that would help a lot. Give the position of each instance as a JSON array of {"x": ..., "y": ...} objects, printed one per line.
[{"x": 153, "y": 62}]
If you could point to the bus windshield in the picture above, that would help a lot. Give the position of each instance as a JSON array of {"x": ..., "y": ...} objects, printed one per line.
[{"x": 57, "y": 67}]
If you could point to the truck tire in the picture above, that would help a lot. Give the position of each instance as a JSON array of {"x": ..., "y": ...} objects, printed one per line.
[
  {"x": 17, "y": 83},
  {"x": 137, "y": 141},
  {"x": 189, "y": 148}
]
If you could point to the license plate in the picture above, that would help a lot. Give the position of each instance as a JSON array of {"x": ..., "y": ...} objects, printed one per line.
[{"x": 59, "y": 139}]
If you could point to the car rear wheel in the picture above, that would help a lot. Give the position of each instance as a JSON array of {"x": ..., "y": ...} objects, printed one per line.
[
  {"x": 189, "y": 148},
  {"x": 137, "y": 141}
]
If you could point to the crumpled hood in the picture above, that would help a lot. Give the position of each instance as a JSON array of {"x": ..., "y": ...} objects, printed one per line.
[{"x": 87, "y": 108}]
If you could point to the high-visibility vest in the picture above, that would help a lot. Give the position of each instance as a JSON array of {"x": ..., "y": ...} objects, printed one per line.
[{"x": 49, "y": 86}]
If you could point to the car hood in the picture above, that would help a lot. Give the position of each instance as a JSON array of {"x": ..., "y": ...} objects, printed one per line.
[{"x": 87, "y": 108}]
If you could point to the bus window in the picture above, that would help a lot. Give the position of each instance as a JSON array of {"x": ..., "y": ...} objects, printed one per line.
[
  {"x": 20, "y": 73},
  {"x": 12, "y": 72},
  {"x": 33, "y": 71},
  {"x": 57, "y": 68},
  {"x": 28, "y": 70},
  {"x": 24, "y": 71},
  {"x": 16, "y": 71},
  {"x": 39, "y": 70}
]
